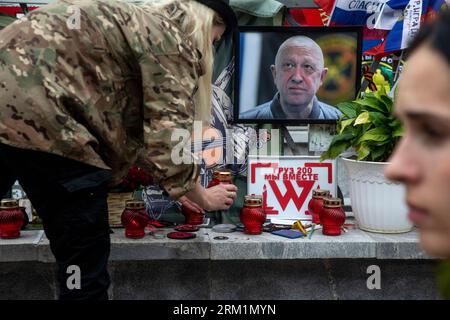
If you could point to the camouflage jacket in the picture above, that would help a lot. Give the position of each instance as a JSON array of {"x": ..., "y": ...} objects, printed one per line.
[
  {"x": 5, "y": 20},
  {"x": 102, "y": 82}
]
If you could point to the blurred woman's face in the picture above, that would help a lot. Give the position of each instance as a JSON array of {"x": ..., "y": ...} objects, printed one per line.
[{"x": 422, "y": 158}]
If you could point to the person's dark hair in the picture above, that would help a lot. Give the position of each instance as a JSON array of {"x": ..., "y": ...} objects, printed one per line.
[{"x": 436, "y": 34}]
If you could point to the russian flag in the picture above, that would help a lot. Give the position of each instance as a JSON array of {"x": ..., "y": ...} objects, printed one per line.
[
  {"x": 326, "y": 5},
  {"x": 406, "y": 26},
  {"x": 308, "y": 17},
  {"x": 356, "y": 12},
  {"x": 390, "y": 14},
  {"x": 372, "y": 38},
  {"x": 312, "y": 17}
]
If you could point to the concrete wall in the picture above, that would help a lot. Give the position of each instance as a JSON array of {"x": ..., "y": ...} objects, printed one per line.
[{"x": 236, "y": 279}]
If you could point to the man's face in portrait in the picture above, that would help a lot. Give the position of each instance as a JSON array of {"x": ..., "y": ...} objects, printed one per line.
[{"x": 298, "y": 73}]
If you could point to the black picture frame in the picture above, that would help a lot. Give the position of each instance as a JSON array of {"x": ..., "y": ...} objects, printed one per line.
[{"x": 280, "y": 34}]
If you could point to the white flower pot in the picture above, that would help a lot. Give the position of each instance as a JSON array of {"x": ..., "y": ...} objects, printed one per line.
[{"x": 378, "y": 204}]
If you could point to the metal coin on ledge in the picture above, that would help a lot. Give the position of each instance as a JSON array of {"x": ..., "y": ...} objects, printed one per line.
[
  {"x": 224, "y": 228},
  {"x": 220, "y": 238}
]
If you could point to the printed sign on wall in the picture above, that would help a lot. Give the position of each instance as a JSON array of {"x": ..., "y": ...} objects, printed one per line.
[{"x": 286, "y": 183}]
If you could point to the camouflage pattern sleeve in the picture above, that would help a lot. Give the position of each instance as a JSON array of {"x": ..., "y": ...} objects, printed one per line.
[
  {"x": 169, "y": 68},
  {"x": 56, "y": 89},
  {"x": 5, "y": 20},
  {"x": 102, "y": 91},
  {"x": 167, "y": 106}
]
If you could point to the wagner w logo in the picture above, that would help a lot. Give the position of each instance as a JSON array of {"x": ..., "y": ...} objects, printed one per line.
[
  {"x": 291, "y": 193},
  {"x": 286, "y": 184}
]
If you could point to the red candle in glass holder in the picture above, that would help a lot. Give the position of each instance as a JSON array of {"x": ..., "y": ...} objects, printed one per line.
[
  {"x": 252, "y": 215},
  {"x": 316, "y": 203},
  {"x": 196, "y": 218},
  {"x": 332, "y": 216},
  {"x": 134, "y": 219},
  {"x": 220, "y": 177},
  {"x": 192, "y": 217},
  {"x": 253, "y": 196},
  {"x": 11, "y": 219}
]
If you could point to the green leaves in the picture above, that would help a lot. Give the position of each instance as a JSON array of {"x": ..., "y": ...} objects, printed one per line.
[
  {"x": 363, "y": 151},
  {"x": 375, "y": 134},
  {"x": 398, "y": 130},
  {"x": 368, "y": 126},
  {"x": 443, "y": 278},
  {"x": 345, "y": 123},
  {"x": 371, "y": 103},
  {"x": 348, "y": 109},
  {"x": 339, "y": 144},
  {"x": 362, "y": 118}
]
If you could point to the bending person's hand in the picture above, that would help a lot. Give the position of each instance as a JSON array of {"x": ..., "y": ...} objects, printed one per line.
[
  {"x": 190, "y": 205},
  {"x": 219, "y": 197}
]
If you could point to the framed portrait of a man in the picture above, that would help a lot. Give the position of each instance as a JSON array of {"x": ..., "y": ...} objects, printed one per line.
[{"x": 295, "y": 75}]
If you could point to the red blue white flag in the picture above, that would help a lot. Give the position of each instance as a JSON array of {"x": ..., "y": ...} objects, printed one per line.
[
  {"x": 356, "y": 12},
  {"x": 410, "y": 15}
]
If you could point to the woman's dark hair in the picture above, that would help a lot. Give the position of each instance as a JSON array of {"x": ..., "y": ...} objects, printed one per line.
[{"x": 436, "y": 34}]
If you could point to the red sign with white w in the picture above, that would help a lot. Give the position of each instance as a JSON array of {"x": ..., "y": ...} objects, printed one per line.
[{"x": 286, "y": 183}]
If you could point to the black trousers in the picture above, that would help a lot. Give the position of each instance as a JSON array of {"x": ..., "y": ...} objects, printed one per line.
[{"x": 70, "y": 197}]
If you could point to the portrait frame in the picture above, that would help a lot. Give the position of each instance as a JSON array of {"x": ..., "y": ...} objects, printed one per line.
[{"x": 255, "y": 50}]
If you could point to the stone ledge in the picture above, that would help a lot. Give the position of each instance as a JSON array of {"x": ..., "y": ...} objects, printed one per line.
[
  {"x": 398, "y": 246},
  {"x": 25, "y": 248},
  {"x": 355, "y": 244}
]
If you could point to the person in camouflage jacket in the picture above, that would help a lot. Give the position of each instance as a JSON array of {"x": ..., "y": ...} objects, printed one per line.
[
  {"x": 88, "y": 88},
  {"x": 5, "y": 20}
]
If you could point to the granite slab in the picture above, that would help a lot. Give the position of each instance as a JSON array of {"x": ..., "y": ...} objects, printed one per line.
[
  {"x": 355, "y": 244},
  {"x": 398, "y": 246},
  {"x": 152, "y": 248},
  {"x": 24, "y": 248}
]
